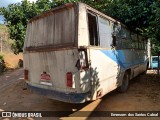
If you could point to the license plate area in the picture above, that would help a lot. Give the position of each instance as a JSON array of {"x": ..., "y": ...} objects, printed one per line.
[{"x": 45, "y": 79}]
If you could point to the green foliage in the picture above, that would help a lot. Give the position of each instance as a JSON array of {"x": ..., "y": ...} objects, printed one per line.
[
  {"x": 1, "y": 57},
  {"x": 2, "y": 64},
  {"x": 16, "y": 17},
  {"x": 142, "y": 16}
]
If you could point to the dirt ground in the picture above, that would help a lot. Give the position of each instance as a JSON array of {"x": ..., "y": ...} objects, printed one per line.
[{"x": 142, "y": 95}]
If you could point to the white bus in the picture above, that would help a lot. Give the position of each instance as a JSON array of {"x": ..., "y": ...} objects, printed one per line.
[{"x": 74, "y": 53}]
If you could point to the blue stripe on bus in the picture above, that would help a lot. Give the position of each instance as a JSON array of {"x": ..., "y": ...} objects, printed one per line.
[
  {"x": 119, "y": 57},
  {"x": 114, "y": 55}
]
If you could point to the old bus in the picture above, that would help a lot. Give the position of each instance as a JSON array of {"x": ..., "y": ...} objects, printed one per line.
[{"x": 74, "y": 53}]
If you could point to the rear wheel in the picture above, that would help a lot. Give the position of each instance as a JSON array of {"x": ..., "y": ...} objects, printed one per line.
[{"x": 125, "y": 83}]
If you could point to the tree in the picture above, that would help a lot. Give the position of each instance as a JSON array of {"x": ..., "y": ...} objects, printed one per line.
[
  {"x": 16, "y": 17},
  {"x": 142, "y": 16}
]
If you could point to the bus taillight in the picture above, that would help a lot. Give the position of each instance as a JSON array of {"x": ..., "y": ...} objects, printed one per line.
[
  {"x": 69, "y": 79},
  {"x": 25, "y": 74}
]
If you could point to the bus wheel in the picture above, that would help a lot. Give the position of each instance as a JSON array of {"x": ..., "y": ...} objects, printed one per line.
[{"x": 125, "y": 83}]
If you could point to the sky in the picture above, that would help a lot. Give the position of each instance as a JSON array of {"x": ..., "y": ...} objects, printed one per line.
[{"x": 5, "y": 3}]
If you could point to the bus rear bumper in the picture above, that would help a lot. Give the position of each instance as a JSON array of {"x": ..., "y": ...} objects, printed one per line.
[{"x": 60, "y": 96}]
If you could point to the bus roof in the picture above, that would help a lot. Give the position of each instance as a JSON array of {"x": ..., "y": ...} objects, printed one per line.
[
  {"x": 49, "y": 12},
  {"x": 69, "y": 5}
]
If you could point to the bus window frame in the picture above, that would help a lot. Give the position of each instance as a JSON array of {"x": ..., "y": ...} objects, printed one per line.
[{"x": 96, "y": 16}]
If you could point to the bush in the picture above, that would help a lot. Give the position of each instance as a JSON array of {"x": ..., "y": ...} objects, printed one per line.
[
  {"x": 1, "y": 57},
  {"x": 2, "y": 64}
]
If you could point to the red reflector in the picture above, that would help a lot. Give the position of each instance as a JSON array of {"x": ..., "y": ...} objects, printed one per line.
[
  {"x": 69, "y": 79},
  {"x": 25, "y": 74}
]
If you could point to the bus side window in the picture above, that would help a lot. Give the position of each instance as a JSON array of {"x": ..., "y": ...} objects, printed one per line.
[
  {"x": 114, "y": 41},
  {"x": 93, "y": 31}
]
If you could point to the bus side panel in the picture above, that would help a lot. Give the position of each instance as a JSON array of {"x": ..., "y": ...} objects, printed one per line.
[
  {"x": 85, "y": 83},
  {"x": 104, "y": 73},
  {"x": 144, "y": 61},
  {"x": 109, "y": 66}
]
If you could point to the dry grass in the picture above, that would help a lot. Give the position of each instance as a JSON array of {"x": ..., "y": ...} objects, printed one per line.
[{"x": 11, "y": 60}]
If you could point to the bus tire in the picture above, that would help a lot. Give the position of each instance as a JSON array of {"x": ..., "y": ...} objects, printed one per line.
[{"x": 125, "y": 83}]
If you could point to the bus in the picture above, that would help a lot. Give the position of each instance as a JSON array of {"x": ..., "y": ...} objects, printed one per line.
[{"x": 74, "y": 53}]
